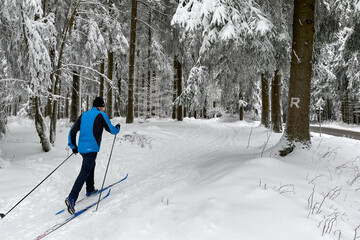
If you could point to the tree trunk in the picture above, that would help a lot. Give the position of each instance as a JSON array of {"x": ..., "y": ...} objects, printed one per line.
[
  {"x": 265, "y": 101},
  {"x": 119, "y": 97},
  {"x": 75, "y": 97},
  {"x": 175, "y": 86},
  {"x": 275, "y": 103},
  {"x": 154, "y": 98},
  {"x": 102, "y": 81},
  {"x": 130, "y": 105},
  {"x": 241, "y": 107},
  {"x": 109, "y": 102},
  {"x": 148, "y": 112},
  {"x": 345, "y": 107},
  {"x": 56, "y": 89},
  {"x": 137, "y": 86},
  {"x": 179, "y": 90},
  {"x": 297, "y": 126},
  {"x": 67, "y": 105},
  {"x": 143, "y": 83},
  {"x": 40, "y": 125}
]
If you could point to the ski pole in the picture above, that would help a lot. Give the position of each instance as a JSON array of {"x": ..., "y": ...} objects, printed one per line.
[
  {"x": 107, "y": 167},
  {"x": 3, "y": 215}
]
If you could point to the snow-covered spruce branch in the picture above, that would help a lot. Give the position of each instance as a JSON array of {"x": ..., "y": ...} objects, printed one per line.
[
  {"x": 89, "y": 68},
  {"x": 86, "y": 67}
]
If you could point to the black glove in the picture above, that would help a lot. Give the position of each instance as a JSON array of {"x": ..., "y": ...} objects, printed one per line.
[
  {"x": 75, "y": 151},
  {"x": 118, "y": 126}
]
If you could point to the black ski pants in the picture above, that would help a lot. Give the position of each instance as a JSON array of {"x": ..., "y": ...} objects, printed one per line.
[{"x": 86, "y": 175}]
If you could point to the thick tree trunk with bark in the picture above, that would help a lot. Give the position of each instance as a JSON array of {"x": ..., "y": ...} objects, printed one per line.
[
  {"x": 175, "y": 86},
  {"x": 109, "y": 101},
  {"x": 265, "y": 101},
  {"x": 137, "y": 86},
  {"x": 75, "y": 97},
  {"x": 130, "y": 106},
  {"x": 40, "y": 125},
  {"x": 345, "y": 108},
  {"x": 67, "y": 105},
  {"x": 179, "y": 91},
  {"x": 297, "y": 127},
  {"x": 276, "y": 103},
  {"x": 102, "y": 80},
  {"x": 119, "y": 97},
  {"x": 148, "y": 96},
  {"x": 241, "y": 108}
]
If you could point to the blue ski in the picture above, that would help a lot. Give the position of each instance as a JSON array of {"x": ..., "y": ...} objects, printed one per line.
[
  {"x": 101, "y": 190},
  {"x": 57, "y": 226}
]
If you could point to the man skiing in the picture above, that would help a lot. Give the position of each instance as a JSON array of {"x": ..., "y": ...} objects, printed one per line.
[{"x": 90, "y": 124}]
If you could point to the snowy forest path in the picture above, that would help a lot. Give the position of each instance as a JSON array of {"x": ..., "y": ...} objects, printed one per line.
[
  {"x": 336, "y": 132},
  {"x": 155, "y": 154}
]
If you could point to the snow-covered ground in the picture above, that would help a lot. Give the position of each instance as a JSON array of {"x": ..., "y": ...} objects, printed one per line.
[{"x": 196, "y": 179}]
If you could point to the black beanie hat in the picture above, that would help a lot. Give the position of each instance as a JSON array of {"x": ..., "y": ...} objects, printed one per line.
[{"x": 99, "y": 102}]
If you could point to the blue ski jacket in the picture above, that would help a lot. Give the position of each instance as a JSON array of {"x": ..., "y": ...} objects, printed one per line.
[{"x": 90, "y": 124}]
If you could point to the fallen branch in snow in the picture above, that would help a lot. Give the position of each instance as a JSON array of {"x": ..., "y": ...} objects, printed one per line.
[
  {"x": 330, "y": 152},
  {"x": 332, "y": 194},
  {"x": 328, "y": 223},
  {"x": 320, "y": 175},
  {"x": 311, "y": 202},
  {"x": 345, "y": 165},
  {"x": 288, "y": 188},
  {"x": 284, "y": 189},
  {"x": 354, "y": 180}
]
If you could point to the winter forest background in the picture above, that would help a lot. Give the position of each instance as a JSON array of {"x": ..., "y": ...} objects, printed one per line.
[{"x": 187, "y": 58}]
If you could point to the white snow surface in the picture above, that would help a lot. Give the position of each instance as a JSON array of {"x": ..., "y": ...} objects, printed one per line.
[{"x": 196, "y": 179}]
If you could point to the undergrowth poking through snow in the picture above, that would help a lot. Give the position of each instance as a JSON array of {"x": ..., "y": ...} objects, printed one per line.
[{"x": 135, "y": 138}]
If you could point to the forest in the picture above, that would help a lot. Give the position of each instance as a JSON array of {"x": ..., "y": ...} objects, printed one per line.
[{"x": 277, "y": 61}]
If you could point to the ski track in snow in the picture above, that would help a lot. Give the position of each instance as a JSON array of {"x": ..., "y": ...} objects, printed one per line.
[{"x": 171, "y": 159}]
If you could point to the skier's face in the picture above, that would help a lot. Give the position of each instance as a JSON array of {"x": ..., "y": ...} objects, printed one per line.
[{"x": 101, "y": 108}]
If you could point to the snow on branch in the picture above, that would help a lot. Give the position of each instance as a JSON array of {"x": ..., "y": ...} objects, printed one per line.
[
  {"x": 193, "y": 94},
  {"x": 222, "y": 20}
]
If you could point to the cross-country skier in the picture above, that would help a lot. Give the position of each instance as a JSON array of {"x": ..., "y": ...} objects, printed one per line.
[{"x": 90, "y": 124}]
